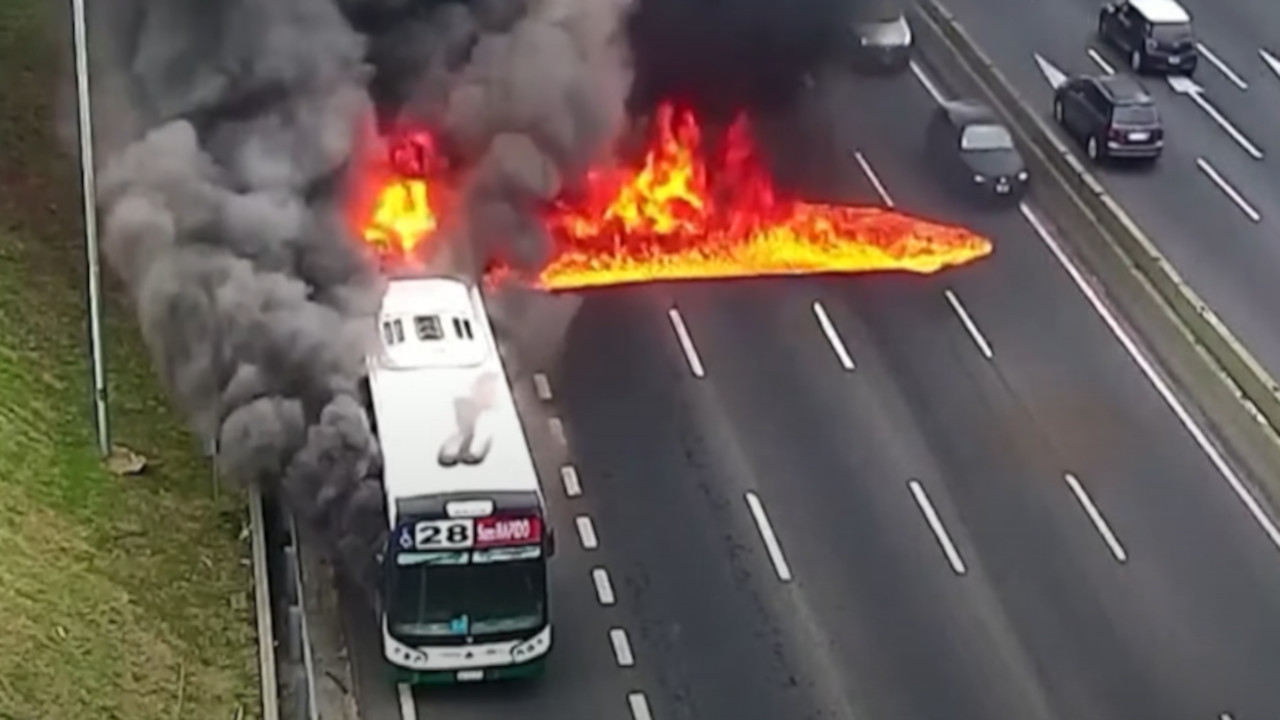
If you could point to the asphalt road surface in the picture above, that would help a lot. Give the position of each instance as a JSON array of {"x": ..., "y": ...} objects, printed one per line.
[
  {"x": 1211, "y": 205},
  {"x": 959, "y": 497}
]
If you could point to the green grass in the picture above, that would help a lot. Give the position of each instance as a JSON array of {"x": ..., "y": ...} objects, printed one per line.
[{"x": 120, "y": 596}]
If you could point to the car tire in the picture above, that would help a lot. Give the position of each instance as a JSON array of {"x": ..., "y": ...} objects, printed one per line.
[
  {"x": 1093, "y": 149},
  {"x": 1135, "y": 61}
]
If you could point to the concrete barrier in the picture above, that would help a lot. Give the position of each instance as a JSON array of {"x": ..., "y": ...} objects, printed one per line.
[{"x": 1064, "y": 185}]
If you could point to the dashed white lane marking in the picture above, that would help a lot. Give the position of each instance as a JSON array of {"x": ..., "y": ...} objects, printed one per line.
[
  {"x": 557, "y": 430},
  {"x": 621, "y": 647},
  {"x": 978, "y": 338},
  {"x": 1100, "y": 61},
  {"x": 408, "y": 710},
  {"x": 873, "y": 178},
  {"x": 1162, "y": 388},
  {"x": 572, "y": 485},
  {"x": 542, "y": 386},
  {"x": 935, "y": 524},
  {"x": 1228, "y": 189},
  {"x": 1099, "y": 522},
  {"x": 1272, "y": 62},
  {"x": 639, "y": 705},
  {"x": 586, "y": 532},
  {"x": 771, "y": 544},
  {"x": 1222, "y": 66},
  {"x": 604, "y": 588},
  {"x": 833, "y": 336},
  {"x": 686, "y": 343}
]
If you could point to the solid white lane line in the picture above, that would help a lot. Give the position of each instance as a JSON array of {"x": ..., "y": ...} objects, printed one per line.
[
  {"x": 771, "y": 544},
  {"x": 873, "y": 178},
  {"x": 604, "y": 588},
  {"x": 983, "y": 346},
  {"x": 1099, "y": 522},
  {"x": 929, "y": 86},
  {"x": 1228, "y": 190},
  {"x": 408, "y": 710},
  {"x": 1272, "y": 62},
  {"x": 939, "y": 530},
  {"x": 572, "y": 484},
  {"x": 621, "y": 647},
  {"x": 833, "y": 337},
  {"x": 1225, "y": 124},
  {"x": 1222, "y": 66},
  {"x": 1157, "y": 381},
  {"x": 686, "y": 343},
  {"x": 542, "y": 386},
  {"x": 586, "y": 532},
  {"x": 1100, "y": 61},
  {"x": 557, "y": 430},
  {"x": 639, "y": 705}
]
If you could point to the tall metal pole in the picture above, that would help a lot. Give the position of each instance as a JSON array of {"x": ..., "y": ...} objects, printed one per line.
[{"x": 88, "y": 190}]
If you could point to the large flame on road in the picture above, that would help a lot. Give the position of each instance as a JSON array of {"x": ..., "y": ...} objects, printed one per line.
[{"x": 676, "y": 218}]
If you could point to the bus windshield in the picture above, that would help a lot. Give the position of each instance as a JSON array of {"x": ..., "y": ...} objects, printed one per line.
[{"x": 432, "y": 599}]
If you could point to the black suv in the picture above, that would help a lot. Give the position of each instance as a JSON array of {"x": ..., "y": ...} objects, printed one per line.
[
  {"x": 1112, "y": 115},
  {"x": 1155, "y": 35}
]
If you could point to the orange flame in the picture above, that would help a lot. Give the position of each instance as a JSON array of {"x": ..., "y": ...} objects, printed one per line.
[
  {"x": 397, "y": 205},
  {"x": 666, "y": 221}
]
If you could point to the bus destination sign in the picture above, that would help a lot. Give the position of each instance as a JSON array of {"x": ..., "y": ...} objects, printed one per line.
[{"x": 504, "y": 531}]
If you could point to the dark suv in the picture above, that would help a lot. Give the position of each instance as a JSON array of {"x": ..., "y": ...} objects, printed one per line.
[
  {"x": 1155, "y": 35},
  {"x": 1111, "y": 115}
]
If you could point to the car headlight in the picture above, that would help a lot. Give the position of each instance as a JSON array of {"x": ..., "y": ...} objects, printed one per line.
[
  {"x": 1022, "y": 175},
  {"x": 979, "y": 178}
]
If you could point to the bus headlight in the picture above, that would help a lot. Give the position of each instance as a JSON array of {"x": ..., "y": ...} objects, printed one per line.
[
  {"x": 533, "y": 647},
  {"x": 405, "y": 656}
]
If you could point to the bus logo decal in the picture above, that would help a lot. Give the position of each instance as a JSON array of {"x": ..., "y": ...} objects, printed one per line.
[{"x": 470, "y": 443}]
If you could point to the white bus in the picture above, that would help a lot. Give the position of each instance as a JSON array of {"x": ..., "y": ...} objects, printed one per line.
[{"x": 464, "y": 593}]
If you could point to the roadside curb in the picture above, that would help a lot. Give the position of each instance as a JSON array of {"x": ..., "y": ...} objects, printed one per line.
[{"x": 949, "y": 50}]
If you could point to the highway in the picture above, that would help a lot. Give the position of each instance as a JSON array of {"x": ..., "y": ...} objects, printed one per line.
[
  {"x": 961, "y": 497},
  {"x": 1211, "y": 205}
]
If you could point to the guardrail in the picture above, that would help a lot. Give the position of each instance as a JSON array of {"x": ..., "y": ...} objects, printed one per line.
[
  {"x": 263, "y": 607},
  {"x": 296, "y": 674},
  {"x": 951, "y": 53}
]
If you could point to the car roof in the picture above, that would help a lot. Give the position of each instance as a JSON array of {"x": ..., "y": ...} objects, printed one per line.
[
  {"x": 1161, "y": 11},
  {"x": 1122, "y": 89},
  {"x": 968, "y": 112}
]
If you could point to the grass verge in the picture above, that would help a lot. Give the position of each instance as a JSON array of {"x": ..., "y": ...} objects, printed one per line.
[{"x": 120, "y": 596}]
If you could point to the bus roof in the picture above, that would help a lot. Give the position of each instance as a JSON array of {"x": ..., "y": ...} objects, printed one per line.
[{"x": 436, "y": 381}]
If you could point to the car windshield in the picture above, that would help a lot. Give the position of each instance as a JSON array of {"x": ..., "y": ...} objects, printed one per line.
[
  {"x": 986, "y": 137},
  {"x": 431, "y": 595},
  {"x": 1170, "y": 32},
  {"x": 1135, "y": 115}
]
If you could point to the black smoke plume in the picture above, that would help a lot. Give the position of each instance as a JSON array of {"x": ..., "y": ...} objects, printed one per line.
[
  {"x": 227, "y": 135},
  {"x": 720, "y": 57}
]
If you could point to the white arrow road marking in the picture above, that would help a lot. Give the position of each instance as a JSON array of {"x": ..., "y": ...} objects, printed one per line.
[
  {"x": 1055, "y": 76},
  {"x": 1187, "y": 86}
]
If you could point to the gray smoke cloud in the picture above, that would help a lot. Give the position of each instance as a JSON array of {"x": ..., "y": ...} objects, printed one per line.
[{"x": 226, "y": 135}]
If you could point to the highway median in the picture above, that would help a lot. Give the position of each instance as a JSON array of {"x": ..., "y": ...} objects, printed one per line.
[{"x": 1232, "y": 389}]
